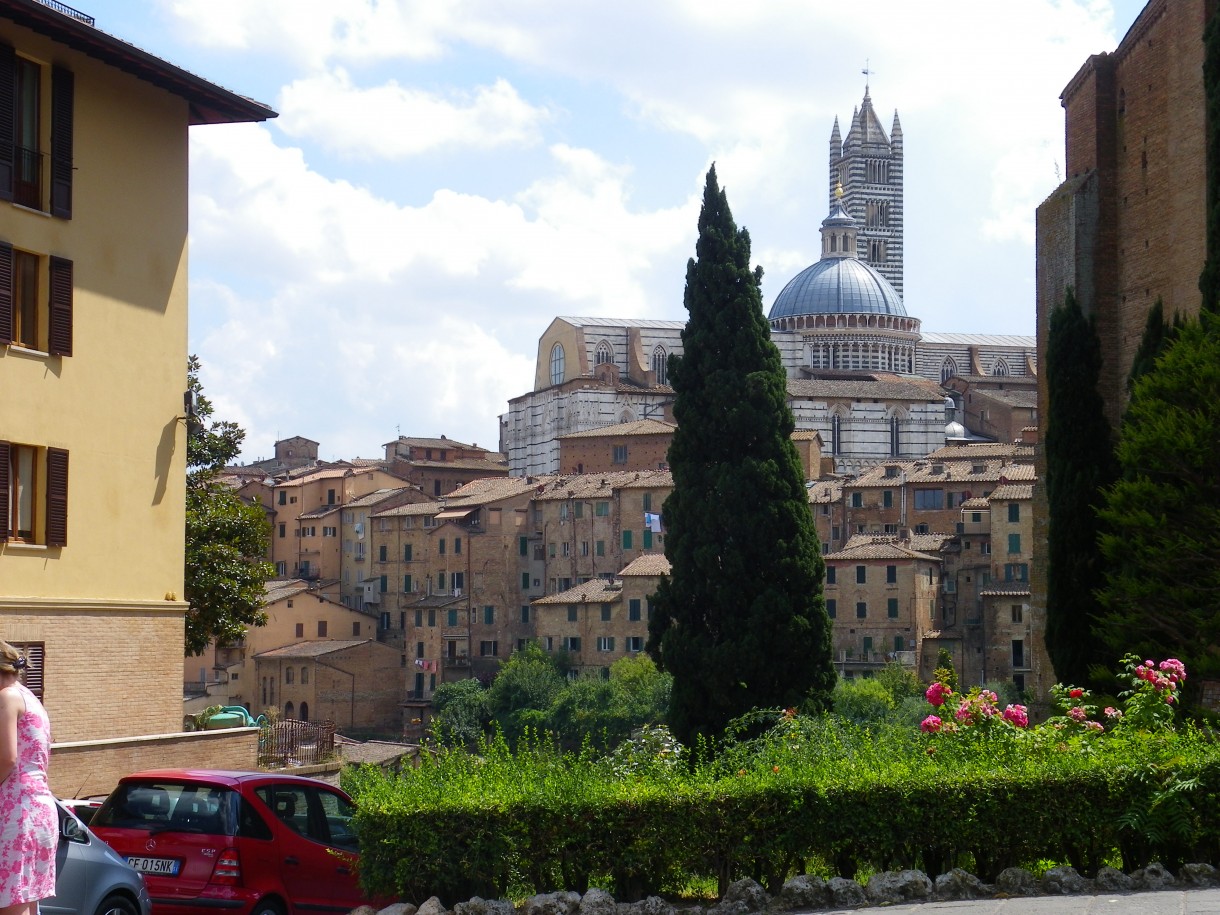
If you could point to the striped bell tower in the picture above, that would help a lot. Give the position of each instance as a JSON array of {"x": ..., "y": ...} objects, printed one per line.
[{"x": 868, "y": 165}]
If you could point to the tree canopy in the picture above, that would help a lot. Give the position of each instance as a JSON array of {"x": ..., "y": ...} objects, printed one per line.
[
  {"x": 226, "y": 538},
  {"x": 530, "y": 692},
  {"x": 1079, "y": 464},
  {"x": 1163, "y": 515},
  {"x": 740, "y": 621}
]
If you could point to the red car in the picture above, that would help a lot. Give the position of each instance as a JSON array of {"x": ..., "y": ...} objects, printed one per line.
[{"x": 247, "y": 843}]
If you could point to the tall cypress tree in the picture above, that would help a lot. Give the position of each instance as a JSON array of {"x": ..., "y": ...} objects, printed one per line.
[
  {"x": 1079, "y": 464},
  {"x": 740, "y": 622}
]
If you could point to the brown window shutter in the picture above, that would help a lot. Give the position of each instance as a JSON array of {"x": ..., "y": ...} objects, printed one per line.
[
  {"x": 57, "y": 497},
  {"x": 6, "y": 292},
  {"x": 62, "y": 95},
  {"x": 8, "y": 126},
  {"x": 5, "y": 483},
  {"x": 61, "y": 307},
  {"x": 35, "y": 657}
]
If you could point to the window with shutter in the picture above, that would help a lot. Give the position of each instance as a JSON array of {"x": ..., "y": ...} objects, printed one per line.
[
  {"x": 57, "y": 497},
  {"x": 62, "y": 97},
  {"x": 8, "y": 135},
  {"x": 59, "y": 307},
  {"x": 35, "y": 657}
]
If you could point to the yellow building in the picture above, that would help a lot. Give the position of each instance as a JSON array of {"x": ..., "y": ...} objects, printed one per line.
[{"x": 93, "y": 355}]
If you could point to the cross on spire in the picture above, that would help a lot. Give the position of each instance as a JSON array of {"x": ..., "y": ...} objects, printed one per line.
[{"x": 867, "y": 73}]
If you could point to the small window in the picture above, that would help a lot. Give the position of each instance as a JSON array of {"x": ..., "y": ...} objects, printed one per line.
[
  {"x": 887, "y": 498},
  {"x": 831, "y": 572},
  {"x": 620, "y": 454},
  {"x": 1018, "y": 613},
  {"x": 891, "y": 608},
  {"x": 321, "y": 629},
  {"x": 33, "y": 494},
  {"x": 861, "y": 610},
  {"x": 633, "y": 610},
  {"x": 557, "y": 364},
  {"x": 489, "y": 649},
  {"x": 601, "y": 509},
  {"x": 1014, "y": 543},
  {"x": 489, "y": 616},
  {"x": 571, "y": 643},
  {"x": 525, "y": 613},
  {"x": 1014, "y": 512},
  {"x": 891, "y": 575},
  {"x": 857, "y": 500},
  {"x": 626, "y": 539},
  {"x": 605, "y": 613},
  {"x": 572, "y": 613},
  {"x": 861, "y": 575},
  {"x": 605, "y": 643},
  {"x": 831, "y": 608},
  {"x": 288, "y": 675}
]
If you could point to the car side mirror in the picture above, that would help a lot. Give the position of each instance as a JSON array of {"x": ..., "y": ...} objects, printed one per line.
[{"x": 72, "y": 830}]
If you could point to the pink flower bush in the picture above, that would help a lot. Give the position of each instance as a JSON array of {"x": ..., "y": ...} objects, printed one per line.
[
  {"x": 1078, "y": 714},
  {"x": 931, "y": 724},
  {"x": 937, "y": 693},
  {"x": 1017, "y": 716}
]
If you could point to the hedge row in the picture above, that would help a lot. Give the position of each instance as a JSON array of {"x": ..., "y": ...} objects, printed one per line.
[{"x": 818, "y": 799}]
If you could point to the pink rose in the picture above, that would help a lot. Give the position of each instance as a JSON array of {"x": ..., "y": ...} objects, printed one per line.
[
  {"x": 1017, "y": 715},
  {"x": 930, "y": 725},
  {"x": 1077, "y": 714}
]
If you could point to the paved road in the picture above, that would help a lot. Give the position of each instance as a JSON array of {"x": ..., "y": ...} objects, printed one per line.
[{"x": 1158, "y": 902}]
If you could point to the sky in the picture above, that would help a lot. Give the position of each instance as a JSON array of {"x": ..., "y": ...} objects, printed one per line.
[{"x": 445, "y": 177}]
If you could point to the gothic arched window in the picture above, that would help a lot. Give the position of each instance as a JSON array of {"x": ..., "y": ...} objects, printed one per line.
[
  {"x": 895, "y": 446},
  {"x": 659, "y": 365},
  {"x": 836, "y": 434},
  {"x": 604, "y": 353},
  {"x": 948, "y": 369},
  {"x": 556, "y": 363},
  {"x": 1000, "y": 368}
]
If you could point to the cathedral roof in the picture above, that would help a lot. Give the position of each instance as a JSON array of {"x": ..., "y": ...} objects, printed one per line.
[{"x": 841, "y": 285}]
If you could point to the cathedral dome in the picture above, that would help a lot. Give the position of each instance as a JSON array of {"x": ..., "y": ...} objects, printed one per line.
[{"x": 837, "y": 285}]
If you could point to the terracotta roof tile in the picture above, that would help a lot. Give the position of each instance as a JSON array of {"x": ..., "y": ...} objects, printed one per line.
[{"x": 648, "y": 565}]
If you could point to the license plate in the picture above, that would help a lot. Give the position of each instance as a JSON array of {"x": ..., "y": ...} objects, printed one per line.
[{"x": 163, "y": 866}]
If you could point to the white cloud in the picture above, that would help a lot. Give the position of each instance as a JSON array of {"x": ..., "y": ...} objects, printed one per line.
[{"x": 393, "y": 121}]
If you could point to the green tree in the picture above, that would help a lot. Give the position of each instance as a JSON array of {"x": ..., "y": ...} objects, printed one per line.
[
  {"x": 226, "y": 538},
  {"x": 607, "y": 710},
  {"x": 459, "y": 711},
  {"x": 740, "y": 622},
  {"x": 1162, "y": 539},
  {"x": 523, "y": 691},
  {"x": 1079, "y": 464}
]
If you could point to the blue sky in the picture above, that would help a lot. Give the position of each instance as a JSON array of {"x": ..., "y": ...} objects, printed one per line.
[{"x": 446, "y": 176}]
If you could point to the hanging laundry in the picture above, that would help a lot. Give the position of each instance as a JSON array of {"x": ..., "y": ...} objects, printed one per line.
[{"x": 652, "y": 521}]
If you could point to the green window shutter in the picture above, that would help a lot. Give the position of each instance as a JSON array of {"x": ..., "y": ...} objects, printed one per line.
[
  {"x": 626, "y": 540},
  {"x": 525, "y": 581},
  {"x": 633, "y": 609},
  {"x": 385, "y": 583},
  {"x": 647, "y": 539},
  {"x": 523, "y": 546},
  {"x": 601, "y": 548},
  {"x": 892, "y": 608}
]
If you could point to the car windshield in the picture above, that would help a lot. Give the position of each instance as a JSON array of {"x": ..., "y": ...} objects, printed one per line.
[{"x": 165, "y": 806}]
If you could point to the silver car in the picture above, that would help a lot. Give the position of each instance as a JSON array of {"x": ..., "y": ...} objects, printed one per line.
[{"x": 90, "y": 879}]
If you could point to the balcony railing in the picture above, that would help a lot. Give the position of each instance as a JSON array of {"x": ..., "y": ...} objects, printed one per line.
[
  {"x": 68, "y": 11},
  {"x": 457, "y": 661}
]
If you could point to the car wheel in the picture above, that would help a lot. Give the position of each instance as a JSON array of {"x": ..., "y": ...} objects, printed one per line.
[
  {"x": 115, "y": 904},
  {"x": 268, "y": 907}
]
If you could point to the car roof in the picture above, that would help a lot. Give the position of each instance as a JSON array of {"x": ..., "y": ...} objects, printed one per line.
[{"x": 228, "y": 777}]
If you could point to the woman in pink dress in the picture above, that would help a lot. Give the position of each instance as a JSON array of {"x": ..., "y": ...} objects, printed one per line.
[{"x": 29, "y": 825}]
